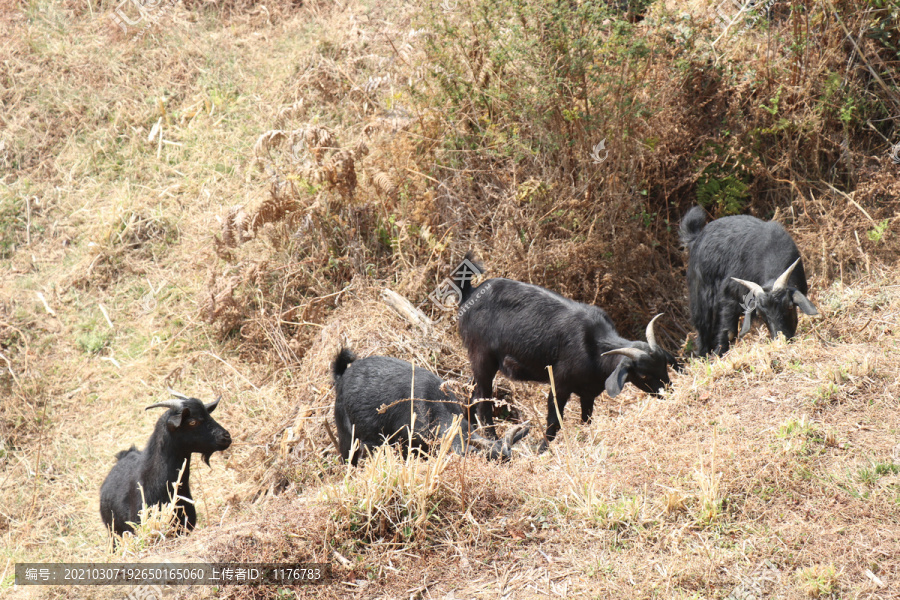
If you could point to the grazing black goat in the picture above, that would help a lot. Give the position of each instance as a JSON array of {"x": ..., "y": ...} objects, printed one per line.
[
  {"x": 363, "y": 386},
  {"x": 147, "y": 477},
  {"x": 741, "y": 264},
  {"x": 520, "y": 329}
]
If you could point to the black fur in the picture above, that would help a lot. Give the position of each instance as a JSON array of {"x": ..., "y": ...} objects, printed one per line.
[
  {"x": 520, "y": 329},
  {"x": 177, "y": 434},
  {"x": 341, "y": 362},
  {"x": 364, "y": 385},
  {"x": 746, "y": 248}
]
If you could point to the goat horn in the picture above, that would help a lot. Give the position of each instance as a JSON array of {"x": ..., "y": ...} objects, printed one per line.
[
  {"x": 212, "y": 405},
  {"x": 754, "y": 287},
  {"x": 632, "y": 353},
  {"x": 178, "y": 395},
  {"x": 176, "y": 404},
  {"x": 782, "y": 281},
  {"x": 514, "y": 430},
  {"x": 651, "y": 336},
  {"x": 480, "y": 442}
]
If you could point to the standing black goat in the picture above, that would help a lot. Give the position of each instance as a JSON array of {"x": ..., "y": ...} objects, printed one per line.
[
  {"x": 362, "y": 386},
  {"x": 520, "y": 329},
  {"x": 147, "y": 477},
  {"x": 730, "y": 256}
]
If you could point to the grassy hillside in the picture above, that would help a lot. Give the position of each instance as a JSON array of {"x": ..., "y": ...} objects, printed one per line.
[{"x": 216, "y": 203}]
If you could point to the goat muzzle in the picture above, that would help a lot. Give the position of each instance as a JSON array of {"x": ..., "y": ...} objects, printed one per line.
[{"x": 224, "y": 440}]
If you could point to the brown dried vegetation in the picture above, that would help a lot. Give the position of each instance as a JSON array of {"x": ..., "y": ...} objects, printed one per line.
[{"x": 218, "y": 205}]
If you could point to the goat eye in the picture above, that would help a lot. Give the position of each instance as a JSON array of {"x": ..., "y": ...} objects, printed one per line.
[{"x": 192, "y": 423}]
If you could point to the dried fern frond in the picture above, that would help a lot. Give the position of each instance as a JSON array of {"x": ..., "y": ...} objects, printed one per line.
[
  {"x": 383, "y": 183},
  {"x": 289, "y": 112},
  {"x": 240, "y": 223},
  {"x": 340, "y": 172},
  {"x": 406, "y": 51},
  {"x": 268, "y": 140},
  {"x": 221, "y": 298},
  {"x": 262, "y": 149},
  {"x": 234, "y": 227},
  {"x": 320, "y": 139},
  {"x": 392, "y": 121},
  {"x": 360, "y": 150},
  {"x": 273, "y": 209}
]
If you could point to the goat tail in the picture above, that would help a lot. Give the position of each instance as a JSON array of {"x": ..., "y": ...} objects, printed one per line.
[
  {"x": 124, "y": 453},
  {"x": 691, "y": 226},
  {"x": 341, "y": 362},
  {"x": 466, "y": 283}
]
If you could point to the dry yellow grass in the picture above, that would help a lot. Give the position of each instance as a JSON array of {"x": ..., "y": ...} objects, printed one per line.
[{"x": 771, "y": 472}]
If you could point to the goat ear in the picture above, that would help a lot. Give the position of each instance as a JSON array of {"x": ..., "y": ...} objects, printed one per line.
[
  {"x": 803, "y": 302},
  {"x": 748, "y": 321},
  {"x": 174, "y": 422},
  {"x": 616, "y": 381},
  {"x": 212, "y": 405}
]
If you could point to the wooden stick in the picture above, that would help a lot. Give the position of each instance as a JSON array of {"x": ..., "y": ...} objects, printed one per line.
[
  {"x": 405, "y": 309},
  {"x": 331, "y": 435}
]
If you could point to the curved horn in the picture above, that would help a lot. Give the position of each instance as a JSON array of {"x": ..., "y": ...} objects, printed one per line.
[
  {"x": 481, "y": 442},
  {"x": 754, "y": 287},
  {"x": 632, "y": 353},
  {"x": 212, "y": 405},
  {"x": 177, "y": 395},
  {"x": 651, "y": 337},
  {"x": 176, "y": 404},
  {"x": 782, "y": 281},
  {"x": 515, "y": 431}
]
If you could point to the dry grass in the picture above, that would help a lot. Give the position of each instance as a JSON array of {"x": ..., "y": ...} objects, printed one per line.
[
  {"x": 217, "y": 207},
  {"x": 395, "y": 498},
  {"x": 753, "y": 474},
  {"x": 155, "y": 524}
]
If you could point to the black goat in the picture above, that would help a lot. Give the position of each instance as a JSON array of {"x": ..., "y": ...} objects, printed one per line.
[
  {"x": 383, "y": 381},
  {"x": 520, "y": 329},
  {"x": 147, "y": 477},
  {"x": 730, "y": 256}
]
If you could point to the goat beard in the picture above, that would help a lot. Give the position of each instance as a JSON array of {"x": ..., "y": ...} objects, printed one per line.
[{"x": 206, "y": 459}]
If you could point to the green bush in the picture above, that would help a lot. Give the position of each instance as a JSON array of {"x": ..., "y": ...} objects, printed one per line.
[{"x": 536, "y": 79}]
